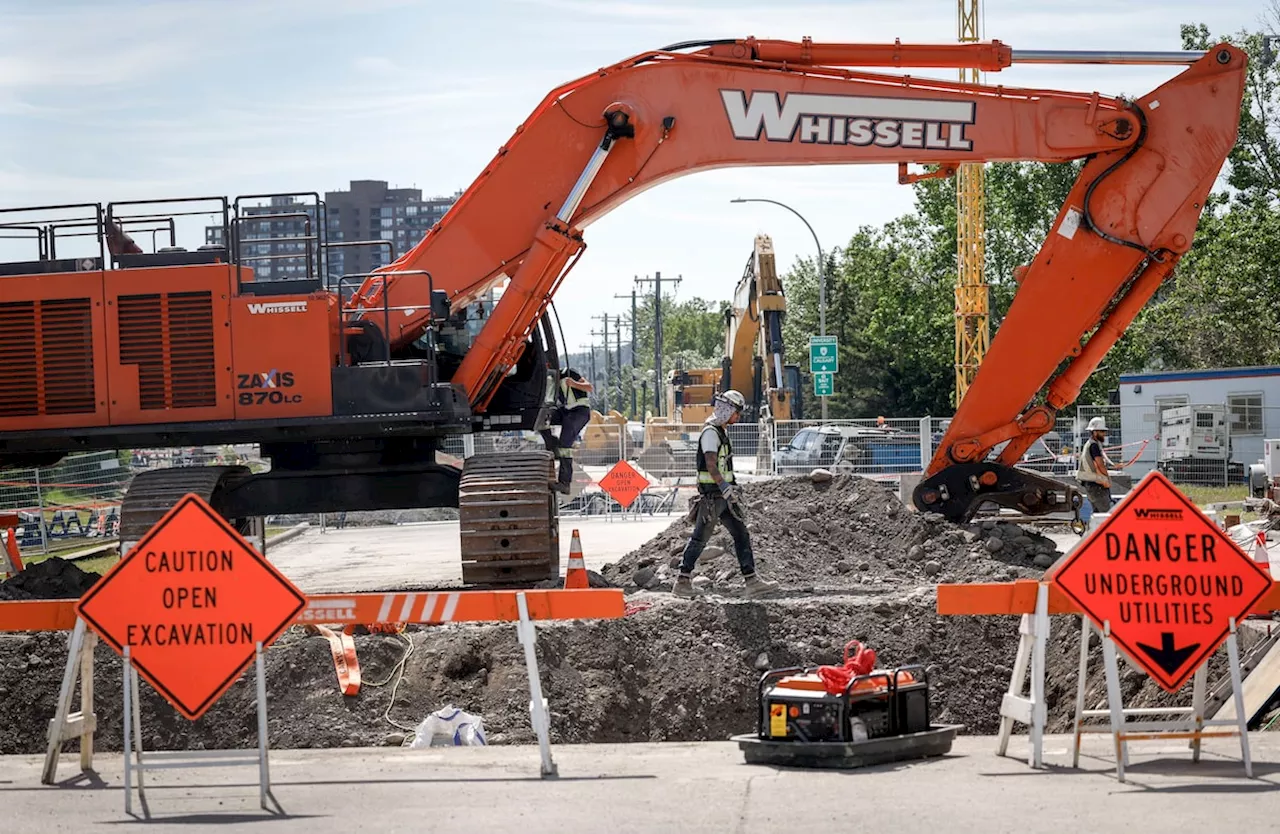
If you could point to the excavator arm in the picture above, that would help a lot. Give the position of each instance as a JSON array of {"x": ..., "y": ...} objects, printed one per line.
[
  {"x": 753, "y": 335},
  {"x": 597, "y": 141}
]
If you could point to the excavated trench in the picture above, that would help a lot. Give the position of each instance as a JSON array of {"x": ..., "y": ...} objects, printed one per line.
[{"x": 854, "y": 563}]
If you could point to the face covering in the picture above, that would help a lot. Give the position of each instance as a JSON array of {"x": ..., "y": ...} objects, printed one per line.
[{"x": 723, "y": 413}]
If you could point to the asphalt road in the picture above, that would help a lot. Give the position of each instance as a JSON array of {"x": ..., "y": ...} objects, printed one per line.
[
  {"x": 673, "y": 787},
  {"x": 428, "y": 555}
]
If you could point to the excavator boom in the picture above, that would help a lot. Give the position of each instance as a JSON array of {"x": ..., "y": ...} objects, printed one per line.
[{"x": 597, "y": 141}]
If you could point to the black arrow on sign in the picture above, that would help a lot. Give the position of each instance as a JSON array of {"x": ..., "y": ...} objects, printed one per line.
[{"x": 1167, "y": 657}]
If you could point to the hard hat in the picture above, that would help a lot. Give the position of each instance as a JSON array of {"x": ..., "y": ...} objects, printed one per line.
[
  {"x": 734, "y": 399},
  {"x": 1097, "y": 424}
]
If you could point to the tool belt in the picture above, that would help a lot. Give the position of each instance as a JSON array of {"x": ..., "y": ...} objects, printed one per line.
[{"x": 702, "y": 508}]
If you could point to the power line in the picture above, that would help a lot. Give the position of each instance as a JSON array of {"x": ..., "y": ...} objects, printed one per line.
[
  {"x": 604, "y": 386},
  {"x": 634, "y": 330},
  {"x": 656, "y": 281}
]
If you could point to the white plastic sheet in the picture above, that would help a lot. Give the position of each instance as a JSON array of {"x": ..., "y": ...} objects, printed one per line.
[{"x": 450, "y": 727}]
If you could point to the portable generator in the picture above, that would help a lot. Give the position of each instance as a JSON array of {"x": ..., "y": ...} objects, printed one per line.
[
  {"x": 797, "y": 704},
  {"x": 844, "y": 716}
]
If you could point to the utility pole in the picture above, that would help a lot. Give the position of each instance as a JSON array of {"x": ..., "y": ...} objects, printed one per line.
[
  {"x": 658, "y": 379},
  {"x": 604, "y": 387},
  {"x": 617, "y": 340},
  {"x": 591, "y": 347},
  {"x": 629, "y": 377},
  {"x": 632, "y": 380}
]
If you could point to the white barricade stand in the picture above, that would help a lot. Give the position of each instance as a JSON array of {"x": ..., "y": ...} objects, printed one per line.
[
  {"x": 1119, "y": 721},
  {"x": 137, "y": 761},
  {"x": 1190, "y": 725},
  {"x": 539, "y": 713},
  {"x": 65, "y": 724},
  {"x": 1028, "y": 708}
]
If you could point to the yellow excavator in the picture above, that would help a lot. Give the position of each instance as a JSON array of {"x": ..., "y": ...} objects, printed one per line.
[{"x": 753, "y": 362}]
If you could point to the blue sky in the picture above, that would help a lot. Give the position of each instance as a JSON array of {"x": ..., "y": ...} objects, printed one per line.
[{"x": 163, "y": 98}]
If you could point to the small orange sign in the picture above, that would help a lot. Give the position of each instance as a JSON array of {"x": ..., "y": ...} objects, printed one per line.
[
  {"x": 1166, "y": 579},
  {"x": 191, "y": 600},
  {"x": 624, "y": 484}
]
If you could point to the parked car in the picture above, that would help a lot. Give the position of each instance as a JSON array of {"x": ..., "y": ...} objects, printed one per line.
[{"x": 855, "y": 449}]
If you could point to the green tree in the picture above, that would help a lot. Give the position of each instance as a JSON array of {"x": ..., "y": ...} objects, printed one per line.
[
  {"x": 891, "y": 296},
  {"x": 1254, "y": 164},
  {"x": 1223, "y": 307}
]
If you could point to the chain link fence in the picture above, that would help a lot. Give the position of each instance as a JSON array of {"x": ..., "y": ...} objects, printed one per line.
[
  {"x": 77, "y": 500},
  {"x": 1204, "y": 444}
]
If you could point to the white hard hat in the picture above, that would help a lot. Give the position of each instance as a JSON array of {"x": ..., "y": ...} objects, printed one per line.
[
  {"x": 734, "y": 399},
  {"x": 1097, "y": 424}
]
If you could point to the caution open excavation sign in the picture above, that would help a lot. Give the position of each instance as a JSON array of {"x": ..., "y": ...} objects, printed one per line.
[
  {"x": 1166, "y": 579},
  {"x": 191, "y": 600}
]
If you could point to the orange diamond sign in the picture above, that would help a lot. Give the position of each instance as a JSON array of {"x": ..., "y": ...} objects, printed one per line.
[
  {"x": 624, "y": 484},
  {"x": 191, "y": 600},
  {"x": 1166, "y": 579}
]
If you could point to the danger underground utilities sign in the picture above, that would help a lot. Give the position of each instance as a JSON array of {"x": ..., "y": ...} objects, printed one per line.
[
  {"x": 1166, "y": 580},
  {"x": 191, "y": 600}
]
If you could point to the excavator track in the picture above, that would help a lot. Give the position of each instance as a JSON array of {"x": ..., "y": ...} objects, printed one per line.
[
  {"x": 152, "y": 494},
  {"x": 509, "y": 519}
]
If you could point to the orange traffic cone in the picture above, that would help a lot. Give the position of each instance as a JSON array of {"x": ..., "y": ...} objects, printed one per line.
[
  {"x": 576, "y": 576},
  {"x": 11, "y": 559},
  {"x": 1260, "y": 551}
]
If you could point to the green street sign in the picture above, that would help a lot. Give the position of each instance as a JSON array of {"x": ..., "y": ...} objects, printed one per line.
[
  {"x": 823, "y": 353},
  {"x": 824, "y": 385}
]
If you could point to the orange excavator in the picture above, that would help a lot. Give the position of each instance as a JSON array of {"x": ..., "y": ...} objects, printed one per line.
[{"x": 352, "y": 389}]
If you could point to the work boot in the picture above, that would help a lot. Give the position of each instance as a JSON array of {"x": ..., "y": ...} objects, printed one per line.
[
  {"x": 757, "y": 587},
  {"x": 684, "y": 587},
  {"x": 561, "y": 487}
]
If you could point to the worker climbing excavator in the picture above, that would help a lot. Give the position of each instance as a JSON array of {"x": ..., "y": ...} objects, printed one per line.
[
  {"x": 350, "y": 391},
  {"x": 753, "y": 352}
]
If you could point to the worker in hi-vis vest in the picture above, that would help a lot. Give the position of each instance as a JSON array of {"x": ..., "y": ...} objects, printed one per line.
[
  {"x": 575, "y": 413},
  {"x": 718, "y": 501},
  {"x": 1093, "y": 473}
]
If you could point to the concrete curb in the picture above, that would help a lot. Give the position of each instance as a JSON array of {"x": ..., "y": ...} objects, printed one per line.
[{"x": 292, "y": 533}]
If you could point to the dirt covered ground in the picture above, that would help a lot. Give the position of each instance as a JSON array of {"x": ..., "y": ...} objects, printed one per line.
[
  {"x": 847, "y": 535},
  {"x": 854, "y": 563}
]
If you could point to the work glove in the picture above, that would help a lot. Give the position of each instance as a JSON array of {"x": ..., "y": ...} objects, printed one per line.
[{"x": 730, "y": 493}]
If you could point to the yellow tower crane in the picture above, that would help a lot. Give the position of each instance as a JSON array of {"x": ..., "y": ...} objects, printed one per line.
[{"x": 973, "y": 332}]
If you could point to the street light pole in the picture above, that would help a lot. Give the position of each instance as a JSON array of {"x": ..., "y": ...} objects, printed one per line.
[{"x": 822, "y": 272}]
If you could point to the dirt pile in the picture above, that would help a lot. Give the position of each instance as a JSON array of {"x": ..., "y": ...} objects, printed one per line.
[
  {"x": 674, "y": 672},
  {"x": 848, "y": 534},
  {"x": 53, "y": 578},
  {"x": 855, "y": 564}
]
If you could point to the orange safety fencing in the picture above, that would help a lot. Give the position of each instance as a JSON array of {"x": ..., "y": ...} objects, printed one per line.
[
  {"x": 427, "y": 607},
  {"x": 49, "y": 507},
  {"x": 57, "y": 485},
  {"x": 1019, "y": 597}
]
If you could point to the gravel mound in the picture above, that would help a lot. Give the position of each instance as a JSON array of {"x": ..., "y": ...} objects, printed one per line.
[
  {"x": 846, "y": 534},
  {"x": 677, "y": 671},
  {"x": 855, "y": 565},
  {"x": 53, "y": 578}
]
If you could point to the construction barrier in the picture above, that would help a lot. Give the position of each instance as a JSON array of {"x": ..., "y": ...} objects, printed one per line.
[
  {"x": 1035, "y": 601},
  {"x": 1019, "y": 597},
  {"x": 377, "y": 612},
  {"x": 423, "y": 608}
]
